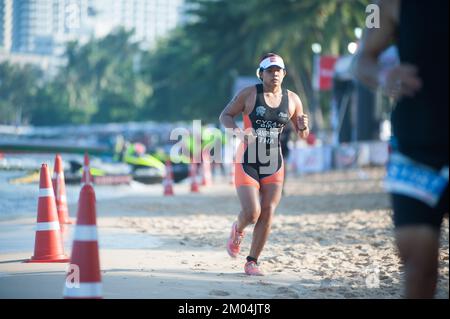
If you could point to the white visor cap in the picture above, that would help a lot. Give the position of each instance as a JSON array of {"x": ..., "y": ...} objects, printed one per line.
[{"x": 271, "y": 61}]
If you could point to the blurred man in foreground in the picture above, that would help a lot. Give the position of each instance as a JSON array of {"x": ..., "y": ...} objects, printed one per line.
[{"x": 417, "y": 172}]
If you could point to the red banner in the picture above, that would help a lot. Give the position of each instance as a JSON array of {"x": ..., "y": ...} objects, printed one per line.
[{"x": 323, "y": 72}]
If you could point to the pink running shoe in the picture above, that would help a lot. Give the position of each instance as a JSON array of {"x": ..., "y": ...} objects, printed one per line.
[
  {"x": 252, "y": 269},
  {"x": 234, "y": 242}
]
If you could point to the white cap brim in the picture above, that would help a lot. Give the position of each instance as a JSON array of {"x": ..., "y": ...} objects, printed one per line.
[{"x": 272, "y": 61}]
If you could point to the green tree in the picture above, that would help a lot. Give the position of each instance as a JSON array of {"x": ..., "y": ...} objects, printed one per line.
[
  {"x": 227, "y": 37},
  {"x": 18, "y": 88},
  {"x": 103, "y": 80}
]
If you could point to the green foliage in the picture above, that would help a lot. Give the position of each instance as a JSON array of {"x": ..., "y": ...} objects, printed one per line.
[
  {"x": 196, "y": 68},
  {"x": 18, "y": 89},
  {"x": 101, "y": 82}
]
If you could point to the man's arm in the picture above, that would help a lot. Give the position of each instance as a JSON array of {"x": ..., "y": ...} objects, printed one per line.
[
  {"x": 400, "y": 80},
  {"x": 374, "y": 42}
]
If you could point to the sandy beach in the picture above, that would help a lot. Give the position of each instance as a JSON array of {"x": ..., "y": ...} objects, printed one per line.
[{"x": 332, "y": 237}]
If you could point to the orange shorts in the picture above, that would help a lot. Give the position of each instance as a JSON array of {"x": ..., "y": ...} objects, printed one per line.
[{"x": 249, "y": 174}]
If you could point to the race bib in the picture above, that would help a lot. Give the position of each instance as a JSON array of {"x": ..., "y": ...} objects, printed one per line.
[{"x": 412, "y": 179}]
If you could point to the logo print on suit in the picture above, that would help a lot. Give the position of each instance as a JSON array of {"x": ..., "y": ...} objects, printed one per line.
[{"x": 260, "y": 111}]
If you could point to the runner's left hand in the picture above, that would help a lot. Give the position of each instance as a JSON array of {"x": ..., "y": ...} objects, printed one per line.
[{"x": 302, "y": 122}]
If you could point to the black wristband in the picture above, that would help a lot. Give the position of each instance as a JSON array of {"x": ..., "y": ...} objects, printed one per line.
[{"x": 303, "y": 129}]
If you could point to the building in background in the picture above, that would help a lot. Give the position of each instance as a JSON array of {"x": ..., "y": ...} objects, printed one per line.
[
  {"x": 150, "y": 19},
  {"x": 43, "y": 27},
  {"x": 38, "y": 31},
  {"x": 71, "y": 21},
  {"x": 5, "y": 25},
  {"x": 32, "y": 26}
]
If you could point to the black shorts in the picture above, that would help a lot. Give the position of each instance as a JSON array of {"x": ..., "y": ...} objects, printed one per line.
[{"x": 409, "y": 211}]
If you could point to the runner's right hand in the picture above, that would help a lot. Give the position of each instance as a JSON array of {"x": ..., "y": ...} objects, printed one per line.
[{"x": 401, "y": 80}]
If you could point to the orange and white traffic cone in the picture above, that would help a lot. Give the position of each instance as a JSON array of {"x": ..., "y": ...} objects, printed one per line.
[
  {"x": 59, "y": 187},
  {"x": 48, "y": 244},
  {"x": 83, "y": 278},
  {"x": 206, "y": 170},
  {"x": 87, "y": 176},
  {"x": 193, "y": 176},
  {"x": 168, "y": 179}
]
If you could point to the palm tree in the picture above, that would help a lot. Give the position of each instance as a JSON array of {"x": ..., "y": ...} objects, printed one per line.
[{"x": 227, "y": 37}]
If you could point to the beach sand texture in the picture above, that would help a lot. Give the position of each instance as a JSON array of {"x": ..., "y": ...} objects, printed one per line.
[{"x": 332, "y": 237}]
